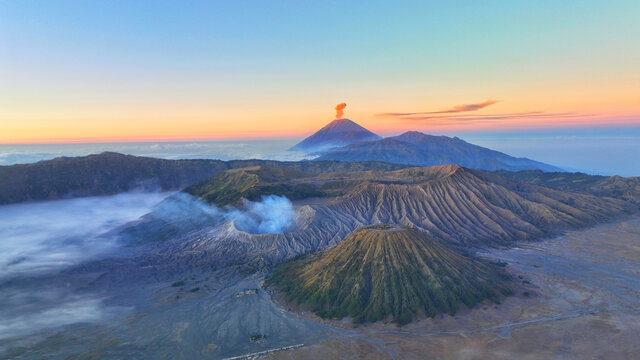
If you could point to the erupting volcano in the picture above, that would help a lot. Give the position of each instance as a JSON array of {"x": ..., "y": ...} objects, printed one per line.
[
  {"x": 338, "y": 133},
  {"x": 340, "y": 110}
]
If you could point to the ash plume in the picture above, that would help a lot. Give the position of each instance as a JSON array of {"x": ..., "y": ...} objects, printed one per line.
[{"x": 340, "y": 110}]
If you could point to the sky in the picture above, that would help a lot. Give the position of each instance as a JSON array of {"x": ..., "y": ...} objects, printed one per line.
[{"x": 91, "y": 71}]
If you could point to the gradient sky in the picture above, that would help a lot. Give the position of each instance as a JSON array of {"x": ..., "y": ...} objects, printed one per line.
[{"x": 134, "y": 70}]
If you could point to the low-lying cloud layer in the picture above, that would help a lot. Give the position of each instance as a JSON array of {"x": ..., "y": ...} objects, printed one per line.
[
  {"x": 222, "y": 150},
  {"x": 48, "y": 236},
  {"x": 38, "y": 239},
  {"x": 25, "y": 311}
]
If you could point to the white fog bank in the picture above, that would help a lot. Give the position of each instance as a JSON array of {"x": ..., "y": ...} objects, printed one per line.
[{"x": 46, "y": 236}]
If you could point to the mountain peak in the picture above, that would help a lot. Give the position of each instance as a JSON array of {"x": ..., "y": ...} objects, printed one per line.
[
  {"x": 339, "y": 132},
  {"x": 342, "y": 121},
  {"x": 417, "y": 137},
  {"x": 390, "y": 271},
  {"x": 412, "y": 133}
]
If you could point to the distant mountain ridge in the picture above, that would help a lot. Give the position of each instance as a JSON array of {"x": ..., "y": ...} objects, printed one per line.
[
  {"x": 416, "y": 148},
  {"x": 111, "y": 173},
  {"x": 339, "y": 132}
]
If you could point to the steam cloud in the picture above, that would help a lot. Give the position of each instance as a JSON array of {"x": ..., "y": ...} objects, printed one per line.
[
  {"x": 49, "y": 236},
  {"x": 340, "y": 110},
  {"x": 273, "y": 214}
]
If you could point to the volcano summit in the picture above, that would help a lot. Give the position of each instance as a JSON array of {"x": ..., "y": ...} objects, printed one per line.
[{"x": 338, "y": 133}]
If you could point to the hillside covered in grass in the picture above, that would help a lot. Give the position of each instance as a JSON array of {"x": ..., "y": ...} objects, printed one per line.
[{"x": 383, "y": 272}]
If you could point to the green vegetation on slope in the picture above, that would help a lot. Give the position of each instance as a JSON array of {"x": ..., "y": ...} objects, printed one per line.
[
  {"x": 225, "y": 188},
  {"x": 229, "y": 187},
  {"x": 381, "y": 271}
]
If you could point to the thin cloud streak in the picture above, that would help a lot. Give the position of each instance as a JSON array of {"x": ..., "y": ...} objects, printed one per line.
[
  {"x": 526, "y": 115},
  {"x": 457, "y": 119},
  {"x": 520, "y": 121},
  {"x": 455, "y": 109}
]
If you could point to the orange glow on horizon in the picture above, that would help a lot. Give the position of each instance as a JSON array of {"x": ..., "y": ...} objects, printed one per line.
[
  {"x": 166, "y": 122},
  {"x": 235, "y": 136},
  {"x": 476, "y": 123}
]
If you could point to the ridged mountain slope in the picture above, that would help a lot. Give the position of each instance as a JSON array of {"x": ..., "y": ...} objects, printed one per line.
[
  {"x": 477, "y": 208},
  {"x": 458, "y": 206},
  {"x": 383, "y": 271}
]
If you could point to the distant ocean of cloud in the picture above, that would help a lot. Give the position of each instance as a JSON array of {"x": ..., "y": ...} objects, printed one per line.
[
  {"x": 592, "y": 154},
  {"x": 222, "y": 150}
]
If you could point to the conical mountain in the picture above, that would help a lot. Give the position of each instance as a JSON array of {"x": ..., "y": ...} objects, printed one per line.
[
  {"x": 339, "y": 132},
  {"x": 382, "y": 272}
]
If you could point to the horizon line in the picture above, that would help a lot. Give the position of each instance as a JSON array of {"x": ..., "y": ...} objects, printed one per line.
[{"x": 256, "y": 136}]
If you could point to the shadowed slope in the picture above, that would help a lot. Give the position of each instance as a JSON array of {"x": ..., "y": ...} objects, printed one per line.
[
  {"x": 416, "y": 148},
  {"x": 383, "y": 271}
]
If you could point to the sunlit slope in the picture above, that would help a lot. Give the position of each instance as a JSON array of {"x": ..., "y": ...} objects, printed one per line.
[
  {"x": 383, "y": 272},
  {"x": 474, "y": 207}
]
